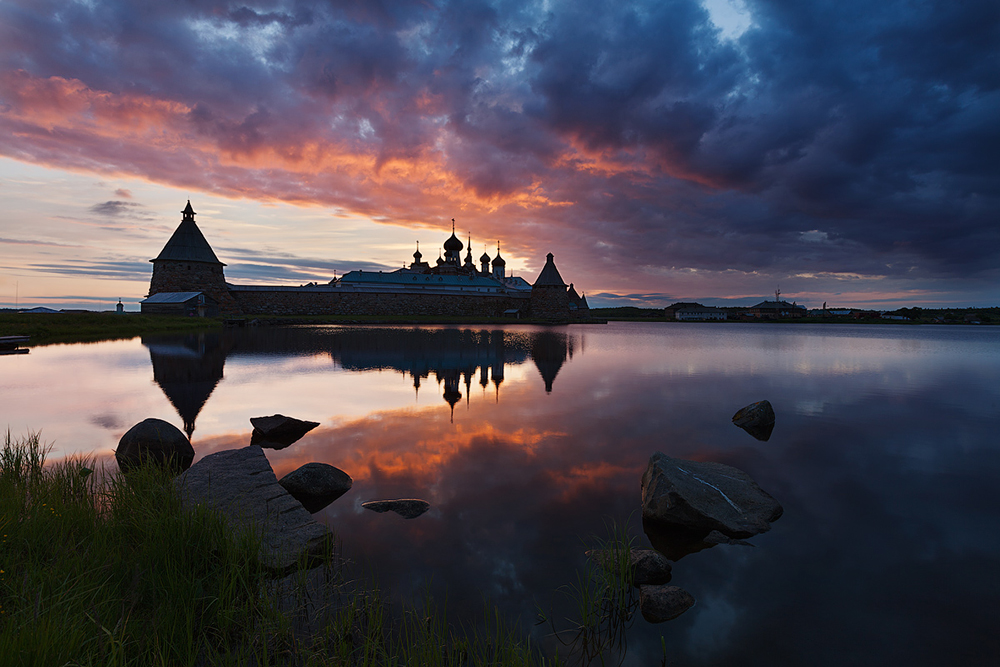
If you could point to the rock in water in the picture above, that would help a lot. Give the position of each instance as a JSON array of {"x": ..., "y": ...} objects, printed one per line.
[
  {"x": 408, "y": 508},
  {"x": 240, "y": 484},
  {"x": 316, "y": 485},
  {"x": 757, "y": 419},
  {"x": 154, "y": 440},
  {"x": 278, "y": 431},
  {"x": 647, "y": 566},
  {"x": 701, "y": 496},
  {"x": 663, "y": 603}
]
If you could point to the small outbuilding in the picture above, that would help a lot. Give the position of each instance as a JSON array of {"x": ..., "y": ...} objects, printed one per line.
[{"x": 192, "y": 304}]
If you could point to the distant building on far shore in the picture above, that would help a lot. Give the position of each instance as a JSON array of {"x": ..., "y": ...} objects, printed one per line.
[
  {"x": 693, "y": 312},
  {"x": 776, "y": 310}
]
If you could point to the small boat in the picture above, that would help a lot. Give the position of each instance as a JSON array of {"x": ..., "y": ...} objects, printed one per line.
[{"x": 12, "y": 344}]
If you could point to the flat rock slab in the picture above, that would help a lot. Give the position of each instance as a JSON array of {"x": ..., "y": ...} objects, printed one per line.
[
  {"x": 646, "y": 566},
  {"x": 278, "y": 431},
  {"x": 408, "y": 508},
  {"x": 702, "y": 496},
  {"x": 316, "y": 485},
  {"x": 240, "y": 484},
  {"x": 663, "y": 603},
  {"x": 154, "y": 440}
]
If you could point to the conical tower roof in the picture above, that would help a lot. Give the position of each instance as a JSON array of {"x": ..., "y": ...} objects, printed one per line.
[
  {"x": 550, "y": 275},
  {"x": 188, "y": 244}
]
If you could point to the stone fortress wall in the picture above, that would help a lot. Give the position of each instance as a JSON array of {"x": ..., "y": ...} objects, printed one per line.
[{"x": 323, "y": 300}]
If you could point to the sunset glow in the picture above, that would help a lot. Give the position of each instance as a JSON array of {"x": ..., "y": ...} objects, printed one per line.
[{"x": 662, "y": 151}]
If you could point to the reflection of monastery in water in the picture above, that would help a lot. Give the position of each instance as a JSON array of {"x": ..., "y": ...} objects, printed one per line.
[
  {"x": 188, "y": 278},
  {"x": 188, "y": 368}
]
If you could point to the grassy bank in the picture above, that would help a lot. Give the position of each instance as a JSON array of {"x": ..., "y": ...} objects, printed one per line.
[
  {"x": 46, "y": 329},
  {"x": 107, "y": 570}
]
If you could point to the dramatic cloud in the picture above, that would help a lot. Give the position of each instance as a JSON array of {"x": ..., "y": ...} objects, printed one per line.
[{"x": 841, "y": 140}]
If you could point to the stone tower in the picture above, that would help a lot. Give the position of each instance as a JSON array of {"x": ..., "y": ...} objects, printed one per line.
[
  {"x": 549, "y": 298},
  {"x": 188, "y": 264}
]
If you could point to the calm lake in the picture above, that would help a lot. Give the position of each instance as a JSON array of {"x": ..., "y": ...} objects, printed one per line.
[{"x": 528, "y": 441}]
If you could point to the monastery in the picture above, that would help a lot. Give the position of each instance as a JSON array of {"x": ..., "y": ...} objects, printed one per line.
[{"x": 188, "y": 278}]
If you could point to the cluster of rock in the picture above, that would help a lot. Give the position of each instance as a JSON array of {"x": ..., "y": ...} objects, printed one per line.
[
  {"x": 241, "y": 485},
  {"x": 688, "y": 506}
]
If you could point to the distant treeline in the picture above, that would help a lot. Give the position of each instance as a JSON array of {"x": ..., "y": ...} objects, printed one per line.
[{"x": 989, "y": 315}]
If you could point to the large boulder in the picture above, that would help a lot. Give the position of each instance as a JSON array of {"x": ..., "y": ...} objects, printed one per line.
[
  {"x": 240, "y": 484},
  {"x": 157, "y": 441},
  {"x": 663, "y": 603},
  {"x": 757, "y": 419},
  {"x": 646, "y": 566},
  {"x": 701, "y": 496},
  {"x": 408, "y": 508},
  {"x": 278, "y": 431},
  {"x": 316, "y": 485}
]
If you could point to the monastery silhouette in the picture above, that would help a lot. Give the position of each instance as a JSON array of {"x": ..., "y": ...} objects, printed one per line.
[{"x": 188, "y": 278}]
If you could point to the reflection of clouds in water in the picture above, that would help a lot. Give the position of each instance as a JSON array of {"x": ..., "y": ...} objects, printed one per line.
[
  {"x": 108, "y": 420},
  {"x": 711, "y": 632}
]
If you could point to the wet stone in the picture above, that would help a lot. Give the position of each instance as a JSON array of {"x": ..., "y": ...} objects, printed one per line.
[
  {"x": 408, "y": 508},
  {"x": 278, "y": 431},
  {"x": 663, "y": 603},
  {"x": 757, "y": 419},
  {"x": 647, "y": 566},
  {"x": 316, "y": 485},
  {"x": 157, "y": 441},
  {"x": 701, "y": 496},
  {"x": 242, "y": 487}
]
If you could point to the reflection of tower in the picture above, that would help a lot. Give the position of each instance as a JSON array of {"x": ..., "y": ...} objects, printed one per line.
[
  {"x": 549, "y": 350},
  {"x": 452, "y": 394},
  {"x": 187, "y": 369},
  {"x": 496, "y": 371}
]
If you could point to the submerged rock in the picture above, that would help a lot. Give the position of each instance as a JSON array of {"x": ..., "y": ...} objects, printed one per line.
[
  {"x": 157, "y": 441},
  {"x": 663, "y": 603},
  {"x": 240, "y": 484},
  {"x": 408, "y": 508},
  {"x": 647, "y": 566},
  {"x": 702, "y": 496},
  {"x": 316, "y": 485},
  {"x": 757, "y": 419},
  {"x": 675, "y": 543}
]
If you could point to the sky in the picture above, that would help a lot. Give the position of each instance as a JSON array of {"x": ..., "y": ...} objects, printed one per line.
[{"x": 844, "y": 152}]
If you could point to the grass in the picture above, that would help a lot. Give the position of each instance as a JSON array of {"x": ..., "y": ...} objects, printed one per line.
[
  {"x": 108, "y": 569},
  {"x": 604, "y": 602},
  {"x": 51, "y": 328}
]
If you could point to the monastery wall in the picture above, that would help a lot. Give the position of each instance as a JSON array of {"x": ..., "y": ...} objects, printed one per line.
[
  {"x": 173, "y": 276},
  {"x": 550, "y": 302},
  {"x": 265, "y": 300}
]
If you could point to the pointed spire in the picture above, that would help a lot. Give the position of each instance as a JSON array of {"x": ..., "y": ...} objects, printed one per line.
[{"x": 188, "y": 244}]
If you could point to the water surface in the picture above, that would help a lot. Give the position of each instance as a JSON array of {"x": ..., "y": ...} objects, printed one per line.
[{"x": 527, "y": 441}]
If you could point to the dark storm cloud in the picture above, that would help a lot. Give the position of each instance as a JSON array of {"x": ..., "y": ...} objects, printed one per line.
[
  {"x": 128, "y": 270},
  {"x": 842, "y": 137},
  {"x": 114, "y": 209}
]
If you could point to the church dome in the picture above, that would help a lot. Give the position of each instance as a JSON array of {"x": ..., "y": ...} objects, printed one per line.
[
  {"x": 453, "y": 244},
  {"x": 499, "y": 261},
  {"x": 484, "y": 258}
]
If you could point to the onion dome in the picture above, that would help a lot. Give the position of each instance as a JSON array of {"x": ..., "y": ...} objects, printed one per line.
[
  {"x": 485, "y": 258},
  {"x": 453, "y": 244},
  {"x": 498, "y": 260},
  {"x": 417, "y": 255}
]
